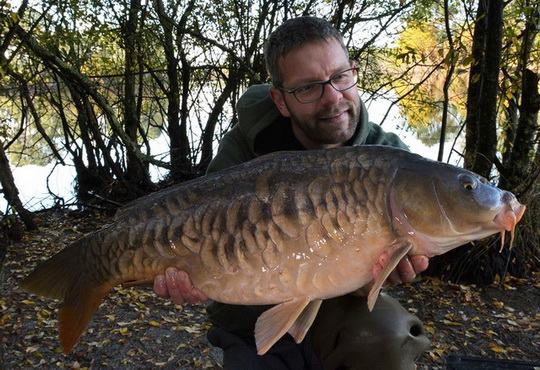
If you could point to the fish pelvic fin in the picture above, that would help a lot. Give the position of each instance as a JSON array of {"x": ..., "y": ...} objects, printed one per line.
[
  {"x": 63, "y": 277},
  {"x": 276, "y": 321},
  {"x": 302, "y": 324},
  {"x": 398, "y": 251}
]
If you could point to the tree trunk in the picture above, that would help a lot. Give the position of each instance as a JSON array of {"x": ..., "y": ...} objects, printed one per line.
[
  {"x": 137, "y": 175},
  {"x": 520, "y": 175},
  {"x": 475, "y": 83},
  {"x": 486, "y": 124},
  {"x": 11, "y": 193},
  {"x": 519, "y": 171},
  {"x": 481, "y": 262},
  {"x": 210, "y": 127},
  {"x": 176, "y": 128}
]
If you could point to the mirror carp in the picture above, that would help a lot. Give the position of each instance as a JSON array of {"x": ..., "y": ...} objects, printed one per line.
[{"x": 289, "y": 229}]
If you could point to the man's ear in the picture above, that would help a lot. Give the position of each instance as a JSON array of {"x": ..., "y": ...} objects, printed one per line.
[{"x": 279, "y": 101}]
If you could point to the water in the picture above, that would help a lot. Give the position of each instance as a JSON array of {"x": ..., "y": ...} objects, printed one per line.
[{"x": 33, "y": 181}]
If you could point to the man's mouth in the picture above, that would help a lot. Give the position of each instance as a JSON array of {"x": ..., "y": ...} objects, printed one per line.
[{"x": 334, "y": 116}]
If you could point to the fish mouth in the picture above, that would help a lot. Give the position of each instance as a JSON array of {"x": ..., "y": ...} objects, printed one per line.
[{"x": 507, "y": 219}]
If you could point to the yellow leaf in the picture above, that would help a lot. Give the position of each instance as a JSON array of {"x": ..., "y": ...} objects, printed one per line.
[
  {"x": 496, "y": 348},
  {"x": 452, "y": 323},
  {"x": 153, "y": 323},
  {"x": 5, "y": 318},
  {"x": 14, "y": 17}
]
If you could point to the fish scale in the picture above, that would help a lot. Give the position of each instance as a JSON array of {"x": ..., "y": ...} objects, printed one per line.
[{"x": 288, "y": 228}]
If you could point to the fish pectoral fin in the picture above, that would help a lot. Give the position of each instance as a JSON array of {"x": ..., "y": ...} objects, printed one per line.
[
  {"x": 302, "y": 324},
  {"x": 276, "y": 321},
  {"x": 396, "y": 255}
]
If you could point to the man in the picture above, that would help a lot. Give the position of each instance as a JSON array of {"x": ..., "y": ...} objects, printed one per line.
[{"x": 313, "y": 103}]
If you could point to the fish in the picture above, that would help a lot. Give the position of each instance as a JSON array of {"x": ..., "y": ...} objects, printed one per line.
[{"x": 287, "y": 229}]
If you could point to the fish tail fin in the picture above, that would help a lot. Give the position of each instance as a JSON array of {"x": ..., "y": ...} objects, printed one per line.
[
  {"x": 73, "y": 316},
  {"x": 64, "y": 277}
]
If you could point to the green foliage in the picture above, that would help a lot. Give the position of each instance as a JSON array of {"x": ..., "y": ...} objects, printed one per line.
[{"x": 418, "y": 66}]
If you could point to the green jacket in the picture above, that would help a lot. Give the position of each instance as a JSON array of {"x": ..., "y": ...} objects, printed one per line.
[{"x": 261, "y": 129}]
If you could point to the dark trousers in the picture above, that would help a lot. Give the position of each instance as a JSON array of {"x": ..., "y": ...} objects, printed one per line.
[
  {"x": 345, "y": 335},
  {"x": 240, "y": 353}
]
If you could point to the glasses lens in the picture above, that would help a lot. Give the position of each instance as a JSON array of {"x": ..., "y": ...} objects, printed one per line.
[
  {"x": 314, "y": 91},
  {"x": 345, "y": 80},
  {"x": 309, "y": 92}
]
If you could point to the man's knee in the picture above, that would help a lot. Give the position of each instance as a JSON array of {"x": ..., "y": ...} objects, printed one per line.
[{"x": 347, "y": 335}]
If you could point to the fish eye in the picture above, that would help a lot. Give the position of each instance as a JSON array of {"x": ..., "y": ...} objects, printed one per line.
[{"x": 468, "y": 182}]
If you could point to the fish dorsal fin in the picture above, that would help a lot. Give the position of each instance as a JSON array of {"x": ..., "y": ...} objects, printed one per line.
[
  {"x": 276, "y": 321},
  {"x": 398, "y": 251},
  {"x": 302, "y": 324}
]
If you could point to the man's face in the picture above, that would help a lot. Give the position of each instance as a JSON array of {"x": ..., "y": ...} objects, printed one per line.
[{"x": 330, "y": 121}]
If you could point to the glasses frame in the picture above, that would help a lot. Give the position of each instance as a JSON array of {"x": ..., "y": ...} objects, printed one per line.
[{"x": 323, "y": 83}]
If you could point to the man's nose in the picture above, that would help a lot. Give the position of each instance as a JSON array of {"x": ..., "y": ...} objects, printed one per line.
[{"x": 331, "y": 95}]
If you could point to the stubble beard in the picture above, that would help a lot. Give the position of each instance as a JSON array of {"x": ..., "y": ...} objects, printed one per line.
[{"x": 321, "y": 131}]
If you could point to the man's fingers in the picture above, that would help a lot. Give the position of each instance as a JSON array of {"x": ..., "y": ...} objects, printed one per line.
[
  {"x": 175, "y": 285},
  {"x": 406, "y": 270},
  {"x": 394, "y": 278},
  {"x": 160, "y": 286},
  {"x": 180, "y": 288},
  {"x": 420, "y": 263}
]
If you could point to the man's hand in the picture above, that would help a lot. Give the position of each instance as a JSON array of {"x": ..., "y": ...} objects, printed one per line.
[
  {"x": 405, "y": 271},
  {"x": 177, "y": 286}
]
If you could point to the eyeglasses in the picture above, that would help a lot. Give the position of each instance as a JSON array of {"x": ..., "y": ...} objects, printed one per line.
[{"x": 313, "y": 91}]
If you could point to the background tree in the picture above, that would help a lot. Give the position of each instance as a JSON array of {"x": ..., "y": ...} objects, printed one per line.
[
  {"x": 488, "y": 90},
  {"x": 97, "y": 85}
]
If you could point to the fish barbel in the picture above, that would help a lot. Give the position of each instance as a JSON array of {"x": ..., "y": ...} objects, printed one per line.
[{"x": 290, "y": 229}]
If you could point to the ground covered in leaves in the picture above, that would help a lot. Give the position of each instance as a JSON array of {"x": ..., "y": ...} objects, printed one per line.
[{"x": 133, "y": 329}]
